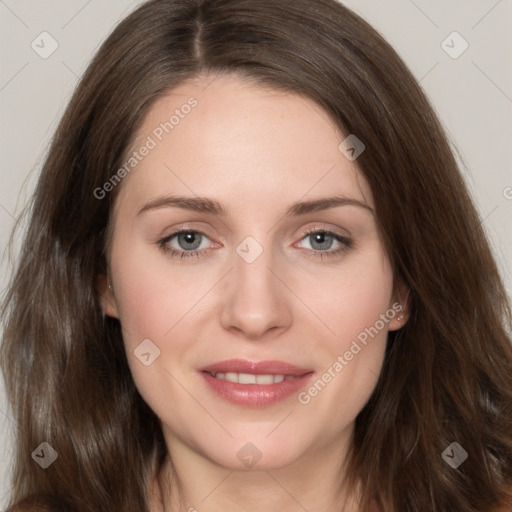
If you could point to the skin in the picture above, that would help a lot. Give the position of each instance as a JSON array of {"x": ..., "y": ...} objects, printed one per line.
[{"x": 256, "y": 151}]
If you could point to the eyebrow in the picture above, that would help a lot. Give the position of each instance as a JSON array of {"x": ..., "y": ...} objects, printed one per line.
[{"x": 207, "y": 205}]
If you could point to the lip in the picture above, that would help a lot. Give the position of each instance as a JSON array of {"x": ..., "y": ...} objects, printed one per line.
[
  {"x": 255, "y": 395},
  {"x": 255, "y": 367}
]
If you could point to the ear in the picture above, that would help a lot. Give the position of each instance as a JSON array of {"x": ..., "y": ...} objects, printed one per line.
[
  {"x": 400, "y": 305},
  {"x": 106, "y": 296}
]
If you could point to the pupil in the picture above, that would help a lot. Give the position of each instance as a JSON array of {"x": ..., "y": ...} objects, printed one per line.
[
  {"x": 189, "y": 241},
  {"x": 321, "y": 240}
]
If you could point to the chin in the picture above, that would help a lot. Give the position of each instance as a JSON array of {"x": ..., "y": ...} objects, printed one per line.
[{"x": 257, "y": 453}]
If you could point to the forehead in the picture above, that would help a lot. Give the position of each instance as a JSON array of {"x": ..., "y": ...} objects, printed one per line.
[{"x": 228, "y": 137}]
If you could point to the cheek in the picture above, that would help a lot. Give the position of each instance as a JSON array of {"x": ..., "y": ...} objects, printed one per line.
[
  {"x": 152, "y": 304},
  {"x": 160, "y": 301},
  {"x": 350, "y": 299},
  {"x": 355, "y": 308},
  {"x": 152, "y": 293}
]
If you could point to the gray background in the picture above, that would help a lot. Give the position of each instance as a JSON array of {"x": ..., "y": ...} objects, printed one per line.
[{"x": 471, "y": 93}]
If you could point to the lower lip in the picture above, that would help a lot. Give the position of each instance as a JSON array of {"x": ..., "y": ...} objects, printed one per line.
[{"x": 255, "y": 395}]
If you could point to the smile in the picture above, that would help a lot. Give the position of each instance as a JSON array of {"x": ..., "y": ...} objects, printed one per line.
[
  {"x": 249, "y": 378},
  {"x": 254, "y": 384}
]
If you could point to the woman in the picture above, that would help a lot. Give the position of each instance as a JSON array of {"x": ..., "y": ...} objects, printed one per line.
[{"x": 253, "y": 278}]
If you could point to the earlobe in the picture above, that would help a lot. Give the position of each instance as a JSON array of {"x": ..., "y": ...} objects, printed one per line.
[
  {"x": 106, "y": 296},
  {"x": 400, "y": 318},
  {"x": 400, "y": 307}
]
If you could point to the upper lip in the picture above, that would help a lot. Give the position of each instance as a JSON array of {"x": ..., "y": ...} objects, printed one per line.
[{"x": 255, "y": 367}]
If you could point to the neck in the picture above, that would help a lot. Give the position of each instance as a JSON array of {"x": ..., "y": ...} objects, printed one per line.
[{"x": 194, "y": 483}]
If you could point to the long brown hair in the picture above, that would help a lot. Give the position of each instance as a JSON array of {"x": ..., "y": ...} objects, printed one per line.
[{"x": 448, "y": 373}]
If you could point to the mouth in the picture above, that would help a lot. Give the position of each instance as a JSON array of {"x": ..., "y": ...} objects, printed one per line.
[
  {"x": 255, "y": 384},
  {"x": 250, "y": 378}
]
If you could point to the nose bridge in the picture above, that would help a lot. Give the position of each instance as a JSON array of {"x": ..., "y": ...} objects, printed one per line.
[{"x": 254, "y": 302}]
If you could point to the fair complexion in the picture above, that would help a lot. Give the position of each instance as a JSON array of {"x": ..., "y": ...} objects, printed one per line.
[{"x": 303, "y": 301}]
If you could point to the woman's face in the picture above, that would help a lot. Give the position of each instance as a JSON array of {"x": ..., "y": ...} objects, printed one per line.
[{"x": 258, "y": 334}]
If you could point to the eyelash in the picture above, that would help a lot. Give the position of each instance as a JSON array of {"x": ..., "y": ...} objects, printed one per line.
[
  {"x": 173, "y": 253},
  {"x": 345, "y": 244}
]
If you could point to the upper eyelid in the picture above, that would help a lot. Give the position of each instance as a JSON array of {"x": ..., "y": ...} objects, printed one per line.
[
  {"x": 317, "y": 226},
  {"x": 181, "y": 230},
  {"x": 328, "y": 230}
]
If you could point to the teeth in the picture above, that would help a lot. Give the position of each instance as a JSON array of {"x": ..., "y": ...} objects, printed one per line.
[
  {"x": 266, "y": 379},
  {"x": 231, "y": 377},
  {"x": 246, "y": 378},
  {"x": 249, "y": 378}
]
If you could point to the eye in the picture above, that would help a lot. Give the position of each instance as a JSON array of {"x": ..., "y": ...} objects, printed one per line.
[
  {"x": 185, "y": 243},
  {"x": 326, "y": 243},
  {"x": 189, "y": 243}
]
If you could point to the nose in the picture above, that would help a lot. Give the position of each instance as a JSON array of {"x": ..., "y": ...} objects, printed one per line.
[{"x": 256, "y": 303}]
